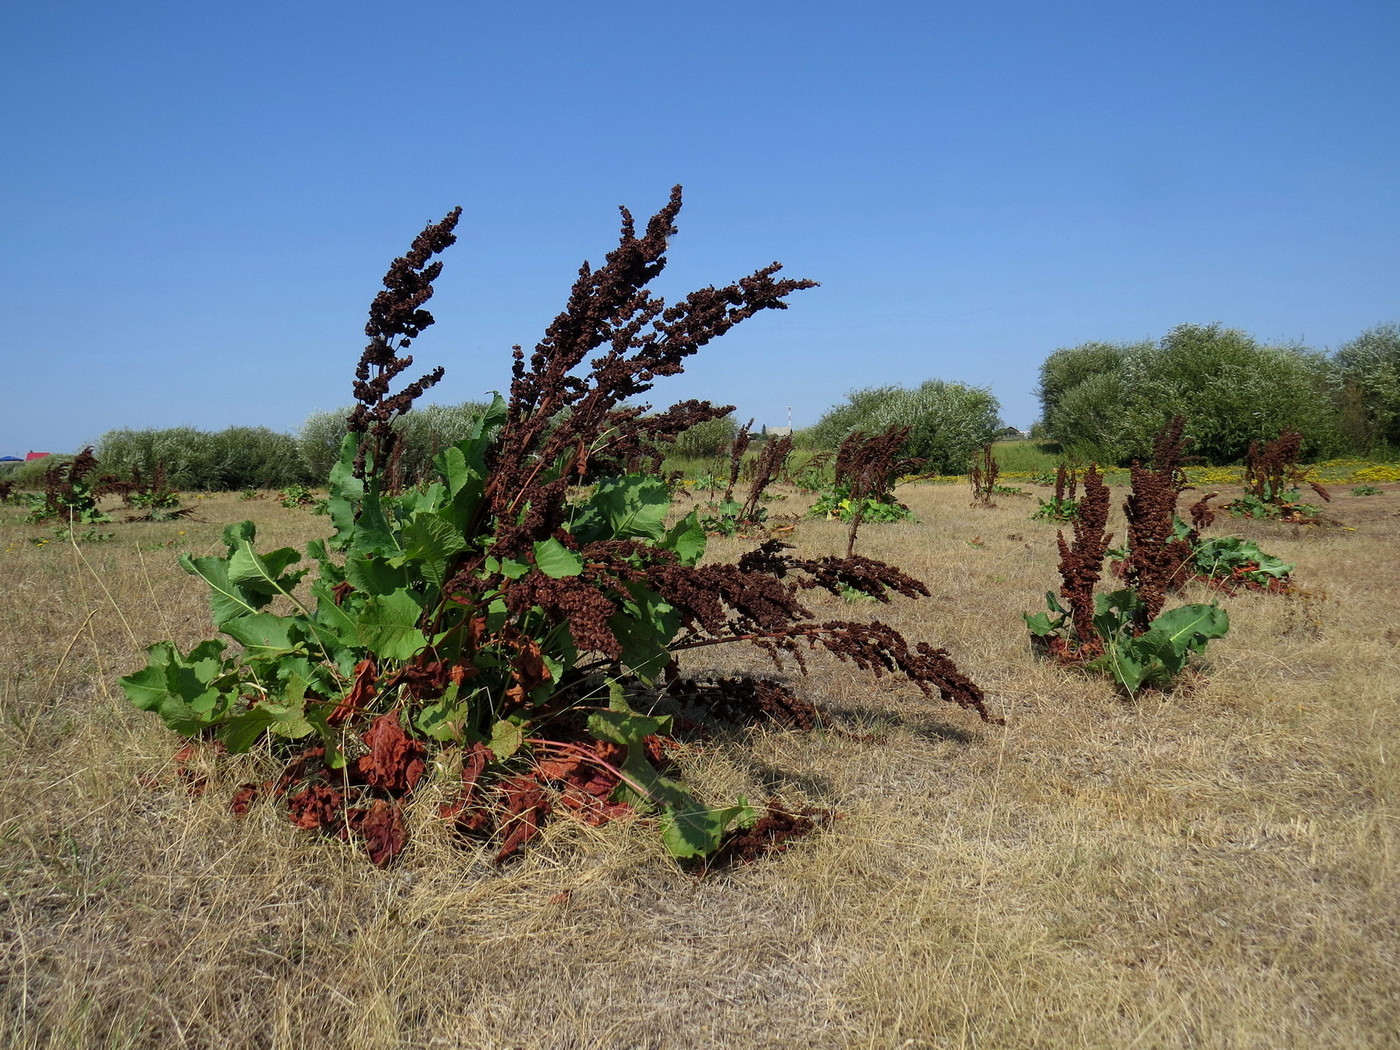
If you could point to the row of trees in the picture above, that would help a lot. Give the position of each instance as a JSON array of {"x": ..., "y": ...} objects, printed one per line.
[
  {"x": 1099, "y": 401},
  {"x": 1103, "y": 401}
]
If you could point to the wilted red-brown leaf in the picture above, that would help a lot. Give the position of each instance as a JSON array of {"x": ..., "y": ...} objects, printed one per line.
[
  {"x": 526, "y": 807},
  {"x": 359, "y": 696},
  {"x": 591, "y": 807},
  {"x": 459, "y": 673},
  {"x": 380, "y": 825},
  {"x": 315, "y": 806},
  {"x": 564, "y": 767},
  {"x": 529, "y": 671},
  {"x": 465, "y": 810},
  {"x": 243, "y": 799},
  {"x": 395, "y": 761},
  {"x": 477, "y": 632}
]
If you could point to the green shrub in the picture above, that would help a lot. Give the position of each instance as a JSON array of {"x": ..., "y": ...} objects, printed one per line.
[
  {"x": 947, "y": 422},
  {"x": 705, "y": 441},
  {"x": 218, "y": 461},
  {"x": 423, "y": 433},
  {"x": 1103, "y": 402}
]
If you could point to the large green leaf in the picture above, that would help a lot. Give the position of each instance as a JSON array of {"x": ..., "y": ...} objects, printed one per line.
[
  {"x": 645, "y": 628},
  {"x": 264, "y": 635},
  {"x": 186, "y": 691},
  {"x": 346, "y": 493},
  {"x": 620, "y": 508},
  {"x": 373, "y": 574},
  {"x": 687, "y": 538},
  {"x": 555, "y": 560},
  {"x": 1191, "y": 626},
  {"x": 263, "y": 573},
  {"x": 332, "y": 624},
  {"x": 429, "y": 541},
  {"x": 227, "y": 600},
  {"x": 691, "y": 829},
  {"x": 388, "y": 625}
]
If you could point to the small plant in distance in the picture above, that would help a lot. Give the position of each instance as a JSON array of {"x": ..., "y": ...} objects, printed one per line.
[
  {"x": 730, "y": 517},
  {"x": 982, "y": 476},
  {"x": 1063, "y": 506},
  {"x": 159, "y": 501},
  {"x": 295, "y": 496},
  {"x": 511, "y": 623},
  {"x": 1125, "y": 633},
  {"x": 1232, "y": 563},
  {"x": 1366, "y": 490},
  {"x": 71, "y": 492},
  {"x": 1272, "y": 476},
  {"x": 867, "y": 468}
]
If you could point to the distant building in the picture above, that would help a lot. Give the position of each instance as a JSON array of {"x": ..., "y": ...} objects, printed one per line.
[
  {"x": 777, "y": 432},
  {"x": 36, "y": 455}
]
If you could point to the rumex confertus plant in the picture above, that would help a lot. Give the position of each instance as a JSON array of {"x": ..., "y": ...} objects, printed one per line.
[
  {"x": 982, "y": 475},
  {"x": 866, "y": 469},
  {"x": 1125, "y": 633},
  {"x": 506, "y": 622},
  {"x": 1063, "y": 506},
  {"x": 1272, "y": 476}
]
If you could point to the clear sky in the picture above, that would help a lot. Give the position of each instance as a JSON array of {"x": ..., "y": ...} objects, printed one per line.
[{"x": 197, "y": 200}]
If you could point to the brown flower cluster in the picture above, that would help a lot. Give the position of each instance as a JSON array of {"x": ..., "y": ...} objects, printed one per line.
[
  {"x": 1271, "y": 468},
  {"x": 558, "y": 421},
  {"x": 766, "y": 471},
  {"x": 1066, "y": 483},
  {"x": 396, "y": 318},
  {"x": 867, "y": 467},
  {"x": 1081, "y": 564},
  {"x": 737, "y": 448},
  {"x": 1156, "y": 562},
  {"x": 982, "y": 475}
]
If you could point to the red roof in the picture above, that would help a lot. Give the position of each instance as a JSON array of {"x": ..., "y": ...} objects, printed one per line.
[{"x": 36, "y": 455}]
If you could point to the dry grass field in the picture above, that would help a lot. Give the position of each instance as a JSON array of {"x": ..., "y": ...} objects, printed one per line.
[{"x": 1212, "y": 868}]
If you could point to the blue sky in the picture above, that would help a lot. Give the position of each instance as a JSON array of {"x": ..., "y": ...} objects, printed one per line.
[{"x": 198, "y": 200}]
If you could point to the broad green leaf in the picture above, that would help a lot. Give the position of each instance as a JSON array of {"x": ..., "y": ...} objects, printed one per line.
[
  {"x": 262, "y": 573},
  {"x": 447, "y": 718},
  {"x": 184, "y": 690},
  {"x": 227, "y": 599},
  {"x": 507, "y": 567},
  {"x": 373, "y": 532},
  {"x": 631, "y": 506},
  {"x": 687, "y": 538},
  {"x": 1119, "y": 662},
  {"x": 626, "y": 727},
  {"x": 373, "y": 574},
  {"x": 264, "y": 635},
  {"x": 691, "y": 829},
  {"x": 430, "y": 541},
  {"x": 555, "y": 560},
  {"x": 645, "y": 627},
  {"x": 346, "y": 493},
  {"x": 1041, "y": 625},
  {"x": 331, "y": 573},
  {"x": 506, "y": 739},
  {"x": 243, "y": 730},
  {"x": 332, "y": 624},
  {"x": 1193, "y": 625},
  {"x": 388, "y": 626}
]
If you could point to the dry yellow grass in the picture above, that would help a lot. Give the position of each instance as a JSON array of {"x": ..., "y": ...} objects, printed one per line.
[{"x": 1214, "y": 868}]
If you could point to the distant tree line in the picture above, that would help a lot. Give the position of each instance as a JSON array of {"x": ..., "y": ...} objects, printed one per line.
[
  {"x": 257, "y": 457},
  {"x": 1104, "y": 401},
  {"x": 1099, "y": 401}
]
